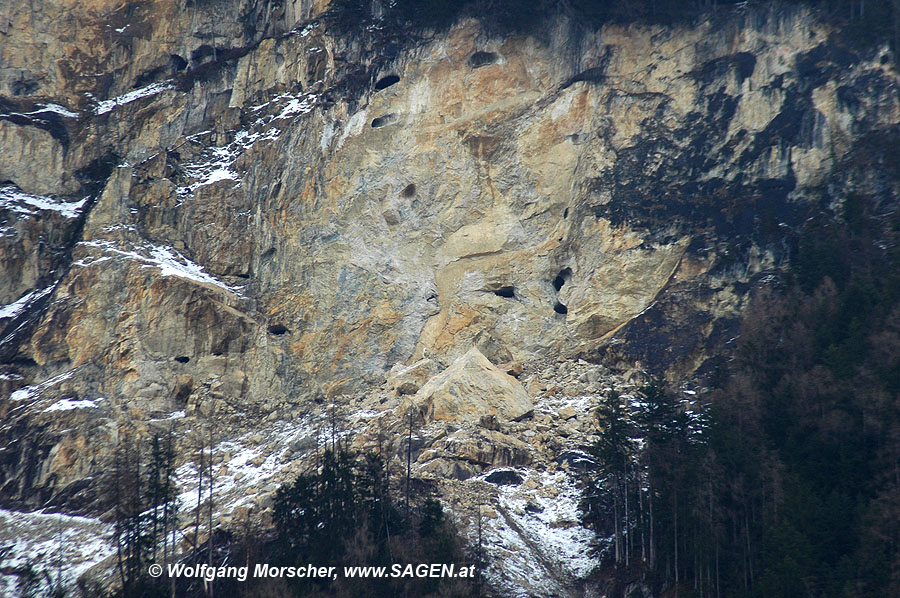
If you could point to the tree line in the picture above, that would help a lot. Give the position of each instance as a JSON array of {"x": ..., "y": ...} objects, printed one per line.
[
  {"x": 867, "y": 22},
  {"x": 786, "y": 481}
]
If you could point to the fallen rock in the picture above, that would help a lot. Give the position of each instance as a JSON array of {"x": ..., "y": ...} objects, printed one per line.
[
  {"x": 448, "y": 469},
  {"x": 471, "y": 388},
  {"x": 407, "y": 380},
  {"x": 567, "y": 413},
  {"x": 485, "y": 447}
]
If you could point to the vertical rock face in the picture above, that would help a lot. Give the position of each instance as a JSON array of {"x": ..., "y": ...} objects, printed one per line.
[{"x": 220, "y": 206}]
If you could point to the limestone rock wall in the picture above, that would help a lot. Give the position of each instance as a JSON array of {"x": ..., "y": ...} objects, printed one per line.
[{"x": 235, "y": 211}]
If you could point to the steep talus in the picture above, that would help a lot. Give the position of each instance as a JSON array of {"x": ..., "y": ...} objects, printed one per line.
[{"x": 223, "y": 213}]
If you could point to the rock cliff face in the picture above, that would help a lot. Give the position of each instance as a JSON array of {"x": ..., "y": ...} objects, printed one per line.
[{"x": 223, "y": 212}]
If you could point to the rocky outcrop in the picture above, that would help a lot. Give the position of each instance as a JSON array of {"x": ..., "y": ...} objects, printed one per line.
[
  {"x": 472, "y": 388},
  {"x": 241, "y": 215}
]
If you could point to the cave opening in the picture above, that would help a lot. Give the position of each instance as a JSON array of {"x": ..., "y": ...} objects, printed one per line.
[
  {"x": 277, "y": 329},
  {"x": 386, "y": 82},
  {"x": 562, "y": 278},
  {"x": 507, "y": 292},
  {"x": 481, "y": 58},
  {"x": 383, "y": 121},
  {"x": 560, "y": 308},
  {"x": 178, "y": 63}
]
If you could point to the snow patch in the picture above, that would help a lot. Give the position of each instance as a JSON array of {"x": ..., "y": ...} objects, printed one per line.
[
  {"x": 218, "y": 165},
  {"x": 13, "y": 199},
  {"x": 536, "y": 540},
  {"x": 56, "y": 108},
  {"x": 17, "y": 308},
  {"x": 28, "y": 392},
  {"x": 303, "y": 104},
  {"x": 250, "y": 470},
  {"x": 308, "y": 29},
  {"x": 61, "y": 545},
  {"x": 70, "y": 404},
  {"x": 144, "y": 92},
  {"x": 169, "y": 262}
]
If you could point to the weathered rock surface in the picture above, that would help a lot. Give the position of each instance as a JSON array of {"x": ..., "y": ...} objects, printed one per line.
[
  {"x": 231, "y": 224},
  {"x": 470, "y": 389},
  {"x": 407, "y": 380}
]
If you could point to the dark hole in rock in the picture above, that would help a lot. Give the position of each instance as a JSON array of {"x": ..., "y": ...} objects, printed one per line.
[
  {"x": 566, "y": 213},
  {"x": 277, "y": 329},
  {"x": 178, "y": 63},
  {"x": 884, "y": 59},
  {"x": 269, "y": 252},
  {"x": 560, "y": 308},
  {"x": 182, "y": 359},
  {"x": 480, "y": 59},
  {"x": 383, "y": 121},
  {"x": 242, "y": 275},
  {"x": 409, "y": 190},
  {"x": 504, "y": 477},
  {"x": 508, "y": 292},
  {"x": 591, "y": 75},
  {"x": 579, "y": 138},
  {"x": 564, "y": 275},
  {"x": 386, "y": 82}
]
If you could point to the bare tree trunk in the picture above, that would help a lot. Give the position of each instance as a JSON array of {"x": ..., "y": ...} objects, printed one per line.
[
  {"x": 209, "y": 528},
  {"x": 617, "y": 524},
  {"x": 408, "y": 460},
  {"x": 627, "y": 525},
  {"x": 641, "y": 521},
  {"x": 676, "y": 542},
  {"x": 200, "y": 468},
  {"x": 749, "y": 552},
  {"x": 119, "y": 501},
  {"x": 652, "y": 524}
]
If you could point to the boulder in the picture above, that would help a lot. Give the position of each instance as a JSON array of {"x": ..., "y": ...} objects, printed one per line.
[
  {"x": 471, "y": 388},
  {"x": 487, "y": 448}
]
